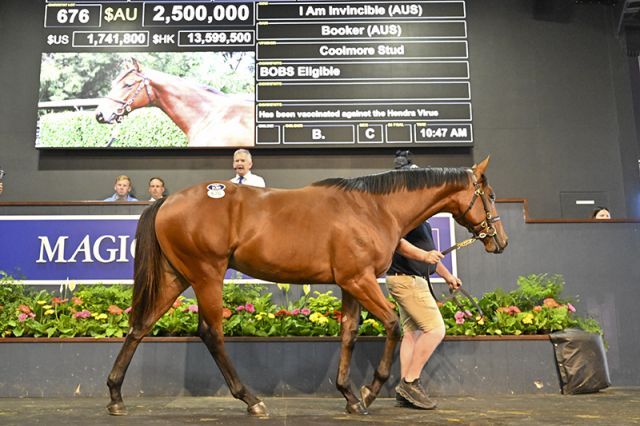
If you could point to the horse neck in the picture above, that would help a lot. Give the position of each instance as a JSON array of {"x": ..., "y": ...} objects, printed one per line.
[
  {"x": 411, "y": 208},
  {"x": 183, "y": 101}
]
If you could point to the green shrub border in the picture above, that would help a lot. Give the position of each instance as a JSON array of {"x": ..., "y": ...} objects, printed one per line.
[{"x": 536, "y": 307}]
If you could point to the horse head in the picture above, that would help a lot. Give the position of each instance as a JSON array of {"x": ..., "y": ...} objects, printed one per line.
[
  {"x": 130, "y": 90},
  {"x": 481, "y": 218}
]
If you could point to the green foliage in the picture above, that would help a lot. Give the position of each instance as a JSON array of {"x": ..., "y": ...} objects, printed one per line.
[
  {"x": 324, "y": 303},
  {"x": 535, "y": 307},
  {"x": 83, "y": 76},
  {"x": 533, "y": 289},
  {"x": 143, "y": 128},
  {"x": 101, "y": 311}
]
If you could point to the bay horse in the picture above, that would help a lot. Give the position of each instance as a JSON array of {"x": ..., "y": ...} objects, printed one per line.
[
  {"x": 341, "y": 231},
  {"x": 207, "y": 116}
]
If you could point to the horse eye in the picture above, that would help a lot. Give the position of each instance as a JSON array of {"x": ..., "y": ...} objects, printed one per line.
[{"x": 492, "y": 196}]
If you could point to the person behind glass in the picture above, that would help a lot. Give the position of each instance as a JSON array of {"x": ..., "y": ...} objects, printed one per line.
[
  {"x": 242, "y": 164},
  {"x": 601, "y": 213},
  {"x": 156, "y": 188},
  {"x": 122, "y": 187},
  {"x": 423, "y": 328}
]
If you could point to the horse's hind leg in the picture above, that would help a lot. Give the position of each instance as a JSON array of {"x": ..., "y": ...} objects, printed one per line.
[
  {"x": 210, "y": 331},
  {"x": 166, "y": 296}
]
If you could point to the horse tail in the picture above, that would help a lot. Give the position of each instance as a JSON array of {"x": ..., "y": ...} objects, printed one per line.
[{"x": 147, "y": 267}]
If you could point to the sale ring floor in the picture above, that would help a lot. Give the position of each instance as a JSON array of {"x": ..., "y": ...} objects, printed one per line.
[{"x": 614, "y": 406}]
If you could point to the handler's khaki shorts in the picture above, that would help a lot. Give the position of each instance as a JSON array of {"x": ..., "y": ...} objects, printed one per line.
[{"x": 418, "y": 308}]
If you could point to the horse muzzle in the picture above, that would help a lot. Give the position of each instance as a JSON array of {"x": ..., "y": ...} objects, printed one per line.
[{"x": 499, "y": 245}]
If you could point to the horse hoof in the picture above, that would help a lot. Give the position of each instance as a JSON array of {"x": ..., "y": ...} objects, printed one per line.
[
  {"x": 117, "y": 409},
  {"x": 367, "y": 396},
  {"x": 258, "y": 409},
  {"x": 357, "y": 408}
]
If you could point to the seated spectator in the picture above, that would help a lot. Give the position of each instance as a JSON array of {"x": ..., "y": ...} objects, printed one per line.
[
  {"x": 1, "y": 188},
  {"x": 601, "y": 213},
  {"x": 242, "y": 164},
  {"x": 122, "y": 187},
  {"x": 156, "y": 188}
]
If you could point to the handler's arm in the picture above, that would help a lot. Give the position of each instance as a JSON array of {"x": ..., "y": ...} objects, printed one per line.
[
  {"x": 452, "y": 280},
  {"x": 410, "y": 251}
]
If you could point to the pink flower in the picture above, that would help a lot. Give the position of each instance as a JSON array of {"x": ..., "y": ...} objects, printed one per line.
[
  {"x": 305, "y": 311},
  {"x": 82, "y": 314},
  {"x": 240, "y": 308},
  {"x": 570, "y": 307},
  {"x": 126, "y": 311},
  {"x": 459, "y": 316},
  {"x": 296, "y": 311},
  {"x": 192, "y": 308},
  {"x": 250, "y": 308},
  {"x": 468, "y": 314},
  {"x": 23, "y": 317}
]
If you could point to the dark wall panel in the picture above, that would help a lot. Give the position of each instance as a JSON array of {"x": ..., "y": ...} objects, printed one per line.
[{"x": 551, "y": 103}]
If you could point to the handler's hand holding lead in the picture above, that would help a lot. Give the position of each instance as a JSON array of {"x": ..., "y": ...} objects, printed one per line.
[
  {"x": 454, "y": 282},
  {"x": 433, "y": 257}
]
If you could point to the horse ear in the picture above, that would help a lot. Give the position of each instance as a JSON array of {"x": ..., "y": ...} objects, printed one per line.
[
  {"x": 134, "y": 63},
  {"x": 479, "y": 169}
]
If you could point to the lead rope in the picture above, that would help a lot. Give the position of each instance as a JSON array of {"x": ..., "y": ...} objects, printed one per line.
[{"x": 452, "y": 292}]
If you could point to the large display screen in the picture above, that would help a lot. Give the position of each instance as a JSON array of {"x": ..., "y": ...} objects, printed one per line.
[{"x": 175, "y": 74}]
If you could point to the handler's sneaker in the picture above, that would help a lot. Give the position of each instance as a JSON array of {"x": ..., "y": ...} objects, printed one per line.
[
  {"x": 402, "y": 401},
  {"x": 414, "y": 393}
]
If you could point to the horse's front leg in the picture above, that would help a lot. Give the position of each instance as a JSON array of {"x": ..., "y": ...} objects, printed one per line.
[
  {"x": 392, "y": 328},
  {"x": 367, "y": 291},
  {"x": 348, "y": 332}
]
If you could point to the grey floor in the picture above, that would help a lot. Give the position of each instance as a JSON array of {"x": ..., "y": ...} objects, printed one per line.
[{"x": 615, "y": 406}]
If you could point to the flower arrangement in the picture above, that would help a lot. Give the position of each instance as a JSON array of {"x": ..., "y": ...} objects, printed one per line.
[{"x": 536, "y": 307}]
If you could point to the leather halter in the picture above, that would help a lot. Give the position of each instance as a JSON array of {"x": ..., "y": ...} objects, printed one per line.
[
  {"x": 145, "y": 84},
  {"x": 483, "y": 229}
]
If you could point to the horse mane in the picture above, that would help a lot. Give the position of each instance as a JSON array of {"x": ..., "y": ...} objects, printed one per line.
[{"x": 396, "y": 180}]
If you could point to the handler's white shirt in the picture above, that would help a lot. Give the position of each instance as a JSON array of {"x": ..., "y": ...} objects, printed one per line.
[{"x": 250, "y": 179}]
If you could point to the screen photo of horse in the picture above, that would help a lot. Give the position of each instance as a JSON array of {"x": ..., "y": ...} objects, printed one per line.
[{"x": 146, "y": 100}]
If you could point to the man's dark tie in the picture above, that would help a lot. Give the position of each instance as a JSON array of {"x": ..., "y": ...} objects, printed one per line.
[{"x": 240, "y": 179}]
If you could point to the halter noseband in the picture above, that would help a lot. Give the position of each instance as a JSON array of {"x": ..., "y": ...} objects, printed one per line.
[
  {"x": 145, "y": 83},
  {"x": 483, "y": 229}
]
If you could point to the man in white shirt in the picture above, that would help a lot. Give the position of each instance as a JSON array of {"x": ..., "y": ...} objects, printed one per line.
[{"x": 242, "y": 164}]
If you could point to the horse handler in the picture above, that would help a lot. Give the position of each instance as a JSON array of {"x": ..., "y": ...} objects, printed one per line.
[{"x": 422, "y": 324}]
